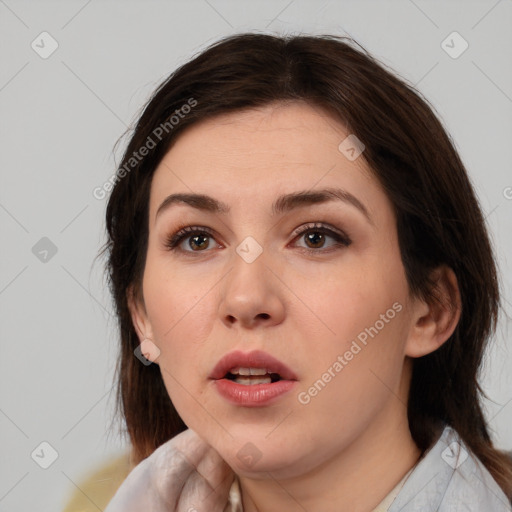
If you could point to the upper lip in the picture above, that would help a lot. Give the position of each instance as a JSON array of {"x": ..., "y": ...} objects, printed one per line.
[{"x": 254, "y": 359}]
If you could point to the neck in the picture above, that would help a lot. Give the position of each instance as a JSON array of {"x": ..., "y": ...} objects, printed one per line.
[{"x": 356, "y": 479}]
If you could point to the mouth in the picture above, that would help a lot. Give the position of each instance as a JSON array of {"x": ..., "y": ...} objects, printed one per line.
[
  {"x": 253, "y": 379},
  {"x": 252, "y": 376},
  {"x": 250, "y": 368}
]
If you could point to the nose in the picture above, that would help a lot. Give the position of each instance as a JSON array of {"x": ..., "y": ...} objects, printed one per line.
[{"x": 251, "y": 295}]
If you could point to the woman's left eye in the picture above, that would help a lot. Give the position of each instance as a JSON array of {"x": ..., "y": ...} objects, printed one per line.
[
  {"x": 317, "y": 233},
  {"x": 314, "y": 236}
]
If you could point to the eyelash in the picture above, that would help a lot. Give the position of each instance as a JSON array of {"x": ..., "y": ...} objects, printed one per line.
[{"x": 342, "y": 240}]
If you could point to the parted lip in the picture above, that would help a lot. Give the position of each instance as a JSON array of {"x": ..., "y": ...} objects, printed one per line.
[{"x": 254, "y": 359}]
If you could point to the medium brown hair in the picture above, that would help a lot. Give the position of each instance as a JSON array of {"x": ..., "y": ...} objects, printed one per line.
[{"x": 438, "y": 218}]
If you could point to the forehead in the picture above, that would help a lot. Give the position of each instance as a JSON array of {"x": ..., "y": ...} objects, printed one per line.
[{"x": 255, "y": 155}]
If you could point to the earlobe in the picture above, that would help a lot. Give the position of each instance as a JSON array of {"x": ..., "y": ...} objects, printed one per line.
[
  {"x": 434, "y": 322},
  {"x": 148, "y": 349}
]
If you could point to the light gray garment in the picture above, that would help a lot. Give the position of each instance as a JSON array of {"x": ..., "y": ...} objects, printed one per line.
[{"x": 449, "y": 478}]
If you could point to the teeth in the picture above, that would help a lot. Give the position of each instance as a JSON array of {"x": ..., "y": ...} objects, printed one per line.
[
  {"x": 251, "y": 381},
  {"x": 249, "y": 371}
]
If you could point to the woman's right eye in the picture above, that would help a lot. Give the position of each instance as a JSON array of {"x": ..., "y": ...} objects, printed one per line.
[{"x": 196, "y": 238}]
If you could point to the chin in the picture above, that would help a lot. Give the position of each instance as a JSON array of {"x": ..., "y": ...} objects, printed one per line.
[{"x": 255, "y": 457}]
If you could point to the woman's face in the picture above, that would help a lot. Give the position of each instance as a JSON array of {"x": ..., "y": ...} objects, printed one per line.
[{"x": 317, "y": 284}]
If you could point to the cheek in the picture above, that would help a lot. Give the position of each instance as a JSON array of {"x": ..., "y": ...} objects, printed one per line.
[
  {"x": 341, "y": 300},
  {"x": 356, "y": 374},
  {"x": 175, "y": 301},
  {"x": 356, "y": 311},
  {"x": 180, "y": 311},
  {"x": 170, "y": 309}
]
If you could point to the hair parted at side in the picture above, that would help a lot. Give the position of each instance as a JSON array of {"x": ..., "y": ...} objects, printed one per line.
[{"x": 439, "y": 220}]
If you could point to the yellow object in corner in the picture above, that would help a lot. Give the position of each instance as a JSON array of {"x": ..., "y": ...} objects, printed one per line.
[{"x": 96, "y": 491}]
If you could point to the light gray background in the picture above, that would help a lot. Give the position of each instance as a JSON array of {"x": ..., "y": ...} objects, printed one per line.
[{"x": 60, "y": 118}]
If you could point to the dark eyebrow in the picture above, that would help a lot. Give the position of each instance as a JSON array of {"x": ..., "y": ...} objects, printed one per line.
[{"x": 283, "y": 204}]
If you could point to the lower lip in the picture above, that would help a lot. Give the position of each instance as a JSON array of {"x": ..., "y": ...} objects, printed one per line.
[{"x": 254, "y": 395}]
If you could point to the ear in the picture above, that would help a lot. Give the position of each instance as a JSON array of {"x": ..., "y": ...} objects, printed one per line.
[
  {"x": 434, "y": 322},
  {"x": 138, "y": 314}
]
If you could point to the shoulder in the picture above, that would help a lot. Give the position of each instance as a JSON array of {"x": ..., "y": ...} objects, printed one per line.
[
  {"x": 471, "y": 482},
  {"x": 100, "y": 485},
  {"x": 450, "y": 477}
]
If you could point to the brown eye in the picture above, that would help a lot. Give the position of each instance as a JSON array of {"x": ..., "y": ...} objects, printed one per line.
[
  {"x": 201, "y": 242},
  {"x": 315, "y": 239},
  {"x": 316, "y": 235},
  {"x": 198, "y": 239}
]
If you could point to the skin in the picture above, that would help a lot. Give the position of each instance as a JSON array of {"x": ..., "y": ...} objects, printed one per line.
[{"x": 350, "y": 445}]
